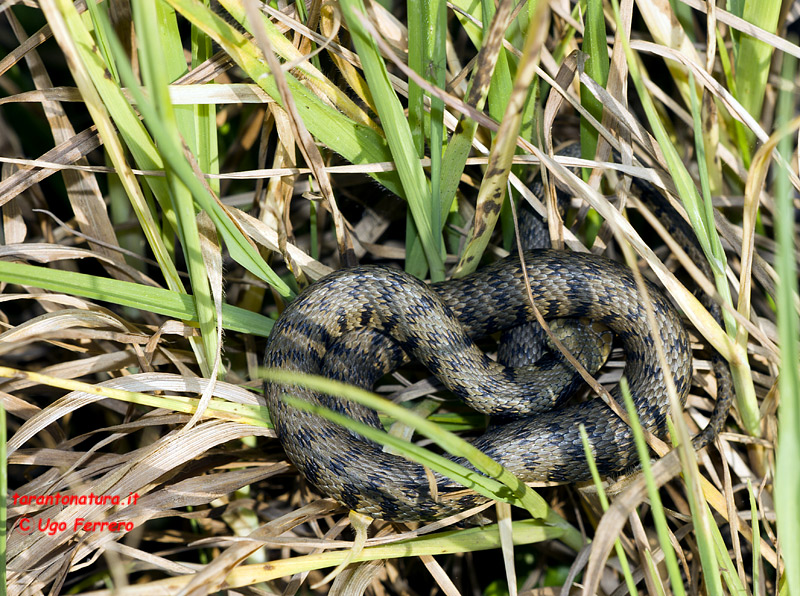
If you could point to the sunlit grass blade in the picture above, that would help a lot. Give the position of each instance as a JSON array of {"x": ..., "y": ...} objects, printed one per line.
[
  {"x": 658, "y": 586},
  {"x": 442, "y": 543},
  {"x": 247, "y": 414},
  {"x": 110, "y": 93}
]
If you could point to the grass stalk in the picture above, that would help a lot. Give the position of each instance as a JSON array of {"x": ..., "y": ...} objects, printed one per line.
[
  {"x": 246, "y": 414},
  {"x": 157, "y": 30}
]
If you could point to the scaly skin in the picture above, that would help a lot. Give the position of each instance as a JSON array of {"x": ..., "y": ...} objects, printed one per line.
[{"x": 436, "y": 325}]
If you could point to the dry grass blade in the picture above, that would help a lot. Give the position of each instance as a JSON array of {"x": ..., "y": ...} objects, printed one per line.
[{"x": 68, "y": 152}]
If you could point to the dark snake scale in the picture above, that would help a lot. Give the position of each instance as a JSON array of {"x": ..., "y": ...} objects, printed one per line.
[{"x": 358, "y": 324}]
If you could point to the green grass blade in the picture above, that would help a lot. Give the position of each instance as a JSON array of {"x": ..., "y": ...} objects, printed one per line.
[
  {"x": 499, "y": 93},
  {"x": 530, "y": 115},
  {"x": 415, "y": 185},
  {"x": 703, "y": 205},
  {"x": 171, "y": 149},
  {"x": 469, "y": 478},
  {"x": 143, "y": 148},
  {"x": 756, "y": 569},
  {"x": 205, "y": 145},
  {"x": 320, "y": 86},
  {"x": 724, "y": 564},
  {"x": 502, "y": 83},
  {"x": 426, "y": 57},
  {"x": 102, "y": 40},
  {"x": 125, "y": 293},
  {"x": 596, "y": 66},
  {"x": 753, "y": 56},
  {"x": 437, "y": 11},
  {"x": 162, "y": 60},
  {"x": 787, "y": 480},
  {"x": 496, "y": 486},
  {"x": 653, "y": 570},
  {"x": 706, "y": 235},
  {"x": 105, "y": 90},
  {"x": 416, "y": 61},
  {"x": 416, "y": 262},
  {"x": 701, "y": 515}
]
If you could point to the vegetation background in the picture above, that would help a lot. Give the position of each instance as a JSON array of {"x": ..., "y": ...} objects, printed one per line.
[{"x": 173, "y": 173}]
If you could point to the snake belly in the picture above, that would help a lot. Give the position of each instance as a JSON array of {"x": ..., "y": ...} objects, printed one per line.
[{"x": 359, "y": 323}]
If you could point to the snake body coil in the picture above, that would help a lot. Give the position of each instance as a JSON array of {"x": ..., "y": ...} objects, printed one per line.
[{"x": 356, "y": 324}]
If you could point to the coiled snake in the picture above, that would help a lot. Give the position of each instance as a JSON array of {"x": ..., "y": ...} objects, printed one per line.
[{"x": 357, "y": 324}]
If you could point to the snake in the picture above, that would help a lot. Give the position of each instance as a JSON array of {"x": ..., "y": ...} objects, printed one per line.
[{"x": 360, "y": 323}]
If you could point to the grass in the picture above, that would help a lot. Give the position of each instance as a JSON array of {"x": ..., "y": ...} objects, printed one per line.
[{"x": 133, "y": 326}]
